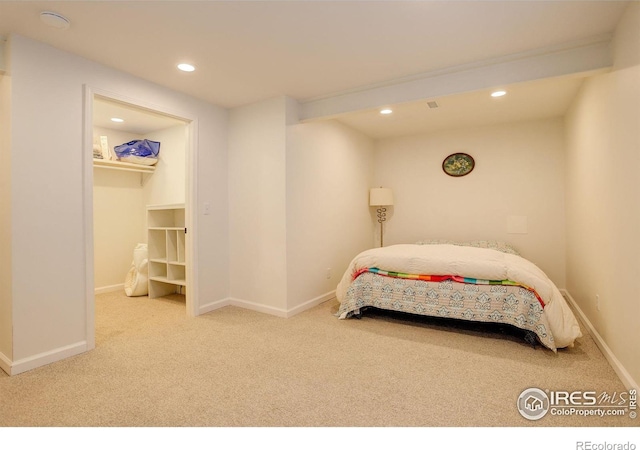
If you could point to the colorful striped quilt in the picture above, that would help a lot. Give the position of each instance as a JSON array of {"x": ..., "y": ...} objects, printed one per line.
[{"x": 437, "y": 278}]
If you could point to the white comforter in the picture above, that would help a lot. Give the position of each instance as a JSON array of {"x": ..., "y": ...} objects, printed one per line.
[{"x": 471, "y": 262}]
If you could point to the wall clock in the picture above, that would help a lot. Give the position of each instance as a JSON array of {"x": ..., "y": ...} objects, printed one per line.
[{"x": 458, "y": 164}]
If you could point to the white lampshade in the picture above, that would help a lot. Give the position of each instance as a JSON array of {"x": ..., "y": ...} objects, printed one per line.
[{"x": 380, "y": 197}]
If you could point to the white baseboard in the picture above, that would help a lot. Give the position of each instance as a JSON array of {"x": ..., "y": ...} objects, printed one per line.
[
  {"x": 617, "y": 366},
  {"x": 258, "y": 307},
  {"x": 42, "y": 359},
  {"x": 279, "y": 312},
  {"x": 311, "y": 303},
  {"x": 214, "y": 305},
  {"x": 112, "y": 288},
  {"x": 5, "y": 363}
]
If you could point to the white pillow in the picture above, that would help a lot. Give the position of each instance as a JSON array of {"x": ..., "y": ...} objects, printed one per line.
[{"x": 495, "y": 245}]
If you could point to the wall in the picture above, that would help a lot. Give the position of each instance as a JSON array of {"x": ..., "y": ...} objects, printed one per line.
[
  {"x": 603, "y": 194},
  {"x": 118, "y": 223},
  {"x": 6, "y": 341},
  {"x": 329, "y": 173},
  {"x": 257, "y": 204},
  {"x": 118, "y": 217},
  {"x": 292, "y": 193},
  {"x": 168, "y": 183},
  {"x": 519, "y": 172},
  {"x": 48, "y": 252}
]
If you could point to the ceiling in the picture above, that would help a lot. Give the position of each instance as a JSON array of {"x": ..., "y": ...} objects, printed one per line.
[
  {"x": 247, "y": 51},
  {"x": 534, "y": 100},
  {"x": 135, "y": 120}
]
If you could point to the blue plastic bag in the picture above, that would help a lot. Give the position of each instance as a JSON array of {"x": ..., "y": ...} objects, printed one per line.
[{"x": 140, "y": 151}]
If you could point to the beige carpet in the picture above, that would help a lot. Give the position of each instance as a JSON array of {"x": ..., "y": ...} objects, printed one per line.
[{"x": 153, "y": 366}]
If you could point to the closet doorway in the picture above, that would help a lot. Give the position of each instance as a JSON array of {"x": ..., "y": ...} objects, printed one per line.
[{"x": 139, "y": 210}]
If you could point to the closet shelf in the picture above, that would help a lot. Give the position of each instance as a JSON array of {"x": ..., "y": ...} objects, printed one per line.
[
  {"x": 169, "y": 281},
  {"x": 119, "y": 165},
  {"x": 166, "y": 261},
  {"x": 167, "y": 249}
]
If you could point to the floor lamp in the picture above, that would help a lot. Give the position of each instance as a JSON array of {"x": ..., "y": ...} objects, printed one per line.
[{"x": 381, "y": 197}]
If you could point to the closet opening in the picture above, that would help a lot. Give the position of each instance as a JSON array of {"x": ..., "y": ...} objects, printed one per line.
[{"x": 140, "y": 215}]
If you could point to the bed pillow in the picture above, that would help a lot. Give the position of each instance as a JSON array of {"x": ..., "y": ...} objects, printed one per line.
[{"x": 495, "y": 245}]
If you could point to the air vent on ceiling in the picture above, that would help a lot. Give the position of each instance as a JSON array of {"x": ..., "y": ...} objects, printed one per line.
[{"x": 432, "y": 104}]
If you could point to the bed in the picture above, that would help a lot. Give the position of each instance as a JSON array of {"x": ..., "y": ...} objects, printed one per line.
[{"x": 479, "y": 281}]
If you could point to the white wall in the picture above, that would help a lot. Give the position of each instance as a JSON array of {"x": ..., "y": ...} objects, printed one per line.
[
  {"x": 6, "y": 341},
  {"x": 257, "y": 204},
  {"x": 118, "y": 216},
  {"x": 118, "y": 224},
  {"x": 168, "y": 183},
  {"x": 329, "y": 173},
  {"x": 603, "y": 194},
  {"x": 298, "y": 205},
  {"x": 519, "y": 172},
  {"x": 48, "y": 251}
]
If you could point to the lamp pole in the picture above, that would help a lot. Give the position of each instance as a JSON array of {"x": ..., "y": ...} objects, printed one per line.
[
  {"x": 382, "y": 217},
  {"x": 381, "y": 197}
]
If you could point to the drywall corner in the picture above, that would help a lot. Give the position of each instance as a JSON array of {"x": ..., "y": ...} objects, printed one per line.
[
  {"x": 3, "y": 62},
  {"x": 6, "y": 319}
]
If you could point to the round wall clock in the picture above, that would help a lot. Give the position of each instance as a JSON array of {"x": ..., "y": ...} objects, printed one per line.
[{"x": 458, "y": 164}]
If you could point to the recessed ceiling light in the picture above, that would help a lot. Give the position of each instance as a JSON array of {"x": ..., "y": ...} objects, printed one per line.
[
  {"x": 117, "y": 119},
  {"x": 498, "y": 93},
  {"x": 186, "y": 67},
  {"x": 386, "y": 111},
  {"x": 55, "y": 20}
]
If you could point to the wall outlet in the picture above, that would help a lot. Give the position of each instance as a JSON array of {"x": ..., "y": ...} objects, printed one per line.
[
  {"x": 598, "y": 302},
  {"x": 206, "y": 208},
  {"x": 329, "y": 273}
]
